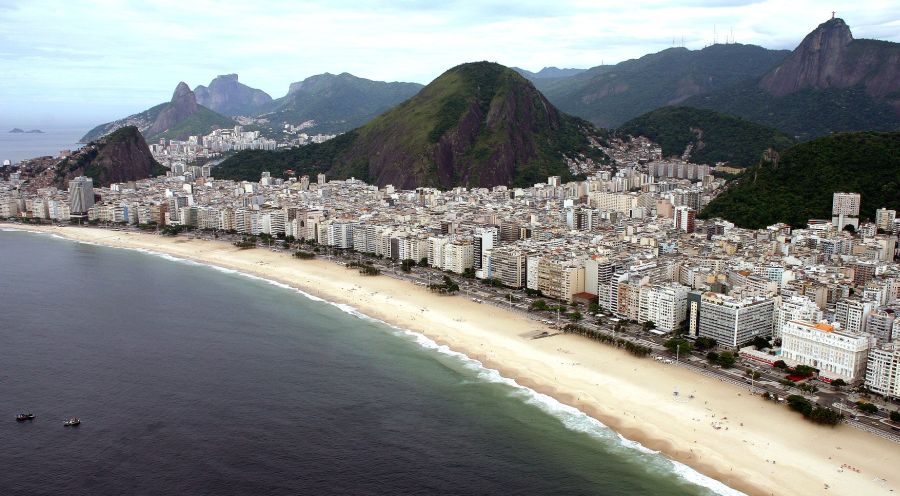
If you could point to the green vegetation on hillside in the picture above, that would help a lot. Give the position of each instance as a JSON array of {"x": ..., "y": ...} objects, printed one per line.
[
  {"x": 478, "y": 124},
  {"x": 203, "y": 122},
  {"x": 146, "y": 118},
  {"x": 800, "y": 185},
  {"x": 724, "y": 138},
  {"x": 308, "y": 160},
  {"x": 804, "y": 114},
  {"x": 337, "y": 103},
  {"x": 611, "y": 95}
]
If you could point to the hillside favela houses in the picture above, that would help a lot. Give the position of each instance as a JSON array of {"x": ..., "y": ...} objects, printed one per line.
[{"x": 625, "y": 243}]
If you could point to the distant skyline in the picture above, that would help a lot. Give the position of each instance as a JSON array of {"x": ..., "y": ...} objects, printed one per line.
[{"x": 87, "y": 62}]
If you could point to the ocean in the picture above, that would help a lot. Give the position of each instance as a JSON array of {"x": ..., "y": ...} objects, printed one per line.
[
  {"x": 16, "y": 147},
  {"x": 195, "y": 380}
]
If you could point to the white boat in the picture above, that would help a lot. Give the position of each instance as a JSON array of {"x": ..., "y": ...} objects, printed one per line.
[{"x": 72, "y": 422}]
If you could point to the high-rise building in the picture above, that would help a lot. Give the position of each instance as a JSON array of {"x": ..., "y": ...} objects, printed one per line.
[
  {"x": 665, "y": 306},
  {"x": 794, "y": 307},
  {"x": 684, "y": 219},
  {"x": 845, "y": 210},
  {"x": 838, "y": 354},
  {"x": 733, "y": 322},
  {"x": 482, "y": 242},
  {"x": 508, "y": 265},
  {"x": 883, "y": 370},
  {"x": 884, "y": 219},
  {"x": 853, "y": 314},
  {"x": 81, "y": 195},
  {"x": 880, "y": 323}
]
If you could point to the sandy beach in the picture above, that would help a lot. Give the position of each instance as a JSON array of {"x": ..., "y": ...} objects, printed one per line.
[{"x": 749, "y": 444}]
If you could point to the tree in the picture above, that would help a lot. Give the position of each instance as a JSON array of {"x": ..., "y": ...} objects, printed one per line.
[
  {"x": 648, "y": 325},
  {"x": 838, "y": 384},
  {"x": 866, "y": 407},
  {"x": 804, "y": 371},
  {"x": 575, "y": 316},
  {"x": 423, "y": 262},
  {"x": 895, "y": 416},
  {"x": 469, "y": 273},
  {"x": 727, "y": 360},
  {"x": 450, "y": 286},
  {"x": 407, "y": 265},
  {"x": 594, "y": 306},
  {"x": 704, "y": 343},
  {"x": 712, "y": 357},
  {"x": 779, "y": 364},
  {"x": 760, "y": 343},
  {"x": 539, "y": 305},
  {"x": 800, "y": 404},
  {"x": 678, "y": 345}
]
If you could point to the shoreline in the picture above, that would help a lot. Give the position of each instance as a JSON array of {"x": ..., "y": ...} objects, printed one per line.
[{"x": 757, "y": 448}]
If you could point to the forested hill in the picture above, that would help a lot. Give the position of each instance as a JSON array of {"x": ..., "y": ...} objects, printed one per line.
[
  {"x": 713, "y": 137},
  {"x": 477, "y": 125},
  {"x": 799, "y": 186}
]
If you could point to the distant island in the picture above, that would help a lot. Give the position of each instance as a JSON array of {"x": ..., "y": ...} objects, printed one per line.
[{"x": 33, "y": 131}]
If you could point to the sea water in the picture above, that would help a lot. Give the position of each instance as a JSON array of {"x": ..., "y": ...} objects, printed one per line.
[{"x": 195, "y": 380}]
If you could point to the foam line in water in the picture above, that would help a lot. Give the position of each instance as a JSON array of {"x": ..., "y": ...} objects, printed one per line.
[{"x": 572, "y": 418}]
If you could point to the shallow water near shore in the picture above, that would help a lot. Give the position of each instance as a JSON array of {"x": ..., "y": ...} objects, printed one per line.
[{"x": 191, "y": 380}]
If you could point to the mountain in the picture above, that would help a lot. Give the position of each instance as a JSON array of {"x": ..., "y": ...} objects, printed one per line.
[
  {"x": 118, "y": 157},
  {"x": 227, "y": 96},
  {"x": 830, "y": 83},
  {"x": 610, "y": 95},
  {"x": 336, "y": 103},
  {"x": 713, "y": 137},
  {"x": 478, "y": 124},
  {"x": 548, "y": 73},
  {"x": 799, "y": 186},
  {"x": 179, "y": 118}
]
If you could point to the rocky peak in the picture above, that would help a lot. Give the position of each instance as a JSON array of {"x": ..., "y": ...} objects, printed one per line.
[
  {"x": 229, "y": 96},
  {"x": 829, "y": 57},
  {"x": 182, "y": 106},
  {"x": 184, "y": 97},
  {"x": 118, "y": 157},
  {"x": 312, "y": 81}
]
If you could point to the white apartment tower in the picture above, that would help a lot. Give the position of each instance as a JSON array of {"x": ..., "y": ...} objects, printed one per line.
[
  {"x": 884, "y": 219},
  {"x": 853, "y": 314},
  {"x": 81, "y": 195},
  {"x": 733, "y": 322},
  {"x": 845, "y": 210},
  {"x": 665, "y": 306},
  {"x": 794, "y": 307},
  {"x": 883, "y": 370}
]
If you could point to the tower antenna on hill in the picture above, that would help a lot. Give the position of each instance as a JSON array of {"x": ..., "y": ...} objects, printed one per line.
[
  {"x": 832, "y": 14},
  {"x": 715, "y": 36}
]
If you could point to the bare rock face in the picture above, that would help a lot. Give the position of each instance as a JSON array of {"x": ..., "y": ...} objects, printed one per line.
[
  {"x": 182, "y": 106},
  {"x": 226, "y": 95},
  {"x": 119, "y": 157},
  {"x": 829, "y": 57}
]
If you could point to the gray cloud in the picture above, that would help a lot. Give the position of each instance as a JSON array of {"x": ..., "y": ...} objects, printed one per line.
[{"x": 110, "y": 58}]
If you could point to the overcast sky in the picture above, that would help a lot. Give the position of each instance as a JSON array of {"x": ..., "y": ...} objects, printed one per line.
[{"x": 86, "y": 62}]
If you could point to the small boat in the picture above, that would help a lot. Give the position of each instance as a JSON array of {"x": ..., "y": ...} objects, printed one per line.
[
  {"x": 72, "y": 422},
  {"x": 24, "y": 416}
]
